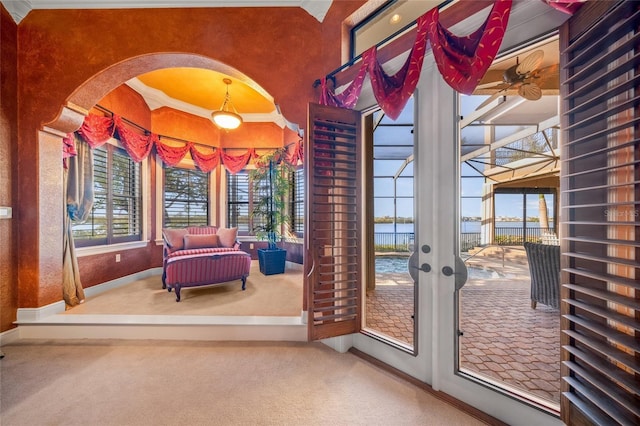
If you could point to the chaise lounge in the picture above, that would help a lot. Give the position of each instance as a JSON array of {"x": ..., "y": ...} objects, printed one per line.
[{"x": 202, "y": 256}]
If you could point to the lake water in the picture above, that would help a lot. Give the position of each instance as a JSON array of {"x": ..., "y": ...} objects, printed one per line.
[{"x": 464, "y": 226}]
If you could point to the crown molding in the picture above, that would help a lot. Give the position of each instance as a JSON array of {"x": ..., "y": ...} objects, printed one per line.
[
  {"x": 156, "y": 99},
  {"x": 18, "y": 9},
  {"x": 316, "y": 8}
]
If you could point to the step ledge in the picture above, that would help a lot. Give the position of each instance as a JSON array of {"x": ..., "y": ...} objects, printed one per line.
[{"x": 109, "y": 319}]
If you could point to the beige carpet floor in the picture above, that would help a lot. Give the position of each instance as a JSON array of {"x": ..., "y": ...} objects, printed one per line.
[
  {"x": 124, "y": 383},
  {"x": 265, "y": 295}
]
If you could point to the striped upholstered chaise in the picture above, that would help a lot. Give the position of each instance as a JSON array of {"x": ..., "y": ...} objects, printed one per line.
[
  {"x": 544, "y": 267},
  {"x": 199, "y": 256}
]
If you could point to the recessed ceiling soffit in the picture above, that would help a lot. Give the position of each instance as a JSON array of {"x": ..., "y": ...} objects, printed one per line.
[{"x": 155, "y": 99}]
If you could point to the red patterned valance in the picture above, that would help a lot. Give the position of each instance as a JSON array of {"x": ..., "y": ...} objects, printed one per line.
[
  {"x": 172, "y": 155},
  {"x": 96, "y": 130},
  {"x": 293, "y": 153},
  {"x": 205, "y": 162},
  {"x": 138, "y": 146},
  {"x": 462, "y": 61},
  {"x": 567, "y": 6},
  {"x": 236, "y": 163},
  {"x": 68, "y": 148}
]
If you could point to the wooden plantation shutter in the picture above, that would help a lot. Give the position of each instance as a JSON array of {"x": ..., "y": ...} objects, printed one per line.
[
  {"x": 333, "y": 237},
  {"x": 600, "y": 189}
]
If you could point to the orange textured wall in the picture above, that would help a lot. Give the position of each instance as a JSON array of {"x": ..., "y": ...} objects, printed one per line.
[
  {"x": 101, "y": 268},
  {"x": 178, "y": 124},
  {"x": 283, "y": 49},
  {"x": 257, "y": 135},
  {"x": 127, "y": 103},
  {"x": 8, "y": 137}
]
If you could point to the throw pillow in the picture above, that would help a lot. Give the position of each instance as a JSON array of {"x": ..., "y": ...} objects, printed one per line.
[
  {"x": 227, "y": 236},
  {"x": 195, "y": 241},
  {"x": 174, "y": 237}
]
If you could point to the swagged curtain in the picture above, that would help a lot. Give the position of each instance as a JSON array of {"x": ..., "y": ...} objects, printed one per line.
[
  {"x": 78, "y": 200},
  {"x": 462, "y": 61},
  {"x": 96, "y": 130},
  {"x": 567, "y": 6}
]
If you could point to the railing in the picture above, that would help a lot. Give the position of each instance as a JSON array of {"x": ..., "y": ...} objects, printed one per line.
[
  {"x": 469, "y": 240},
  {"x": 392, "y": 241},
  {"x": 510, "y": 236},
  {"x": 516, "y": 235}
]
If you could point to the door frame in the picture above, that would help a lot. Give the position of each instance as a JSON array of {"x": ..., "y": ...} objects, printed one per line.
[{"x": 436, "y": 180}]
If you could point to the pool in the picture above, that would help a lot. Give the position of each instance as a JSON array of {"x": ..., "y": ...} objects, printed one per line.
[
  {"x": 398, "y": 264},
  {"x": 391, "y": 264}
]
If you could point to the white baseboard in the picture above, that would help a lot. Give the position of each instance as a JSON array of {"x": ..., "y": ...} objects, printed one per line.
[
  {"x": 340, "y": 343},
  {"x": 27, "y": 315},
  {"x": 212, "y": 332},
  {"x": 9, "y": 336},
  {"x": 119, "y": 282}
]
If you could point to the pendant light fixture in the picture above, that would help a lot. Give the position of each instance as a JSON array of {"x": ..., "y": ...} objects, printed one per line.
[{"x": 225, "y": 118}]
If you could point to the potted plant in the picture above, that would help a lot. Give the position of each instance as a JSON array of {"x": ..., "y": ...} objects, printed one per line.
[{"x": 270, "y": 180}]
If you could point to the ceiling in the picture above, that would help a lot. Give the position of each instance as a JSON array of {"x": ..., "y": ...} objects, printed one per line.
[
  {"x": 518, "y": 110},
  {"x": 192, "y": 90},
  {"x": 200, "y": 91},
  {"x": 20, "y": 8}
]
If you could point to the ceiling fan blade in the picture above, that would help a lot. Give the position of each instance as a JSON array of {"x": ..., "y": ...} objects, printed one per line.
[
  {"x": 489, "y": 86},
  {"x": 530, "y": 63},
  {"x": 547, "y": 72},
  {"x": 530, "y": 91}
]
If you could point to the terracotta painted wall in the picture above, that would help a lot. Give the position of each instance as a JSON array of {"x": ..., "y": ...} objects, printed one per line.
[
  {"x": 8, "y": 138},
  {"x": 127, "y": 103},
  {"x": 282, "y": 49}
]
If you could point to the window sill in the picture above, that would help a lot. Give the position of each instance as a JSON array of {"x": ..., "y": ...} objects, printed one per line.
[{"x": 90, "y": 251}]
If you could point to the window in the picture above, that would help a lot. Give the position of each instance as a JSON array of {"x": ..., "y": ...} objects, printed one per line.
[
  {"x": 389, "y": 20},
  {"x": 238, "y": 205},
  {"x": 116, "y": 216},
  {"x": 186, "y": 198},
  {"x": 297, "y": 202},
  {"x": 241, "y": 196}
]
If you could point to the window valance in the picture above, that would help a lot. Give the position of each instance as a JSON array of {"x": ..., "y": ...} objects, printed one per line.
[
  {"x": 462, "y": 61},
  {"x": 96, "y": 130}
]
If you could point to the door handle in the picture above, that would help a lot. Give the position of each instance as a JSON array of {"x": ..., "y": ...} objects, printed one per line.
[
  {"x": 460, "y": 272},
  {"x": 425, "y": 267},
  {"x": 412, "y": 266},
  {"x": 448, "y": 271}
]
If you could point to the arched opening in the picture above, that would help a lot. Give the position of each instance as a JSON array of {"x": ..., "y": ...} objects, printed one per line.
[{"x": 78, "y": 105}]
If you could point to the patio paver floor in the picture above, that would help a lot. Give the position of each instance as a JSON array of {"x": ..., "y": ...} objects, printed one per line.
[{"x": 504, "y": 339}]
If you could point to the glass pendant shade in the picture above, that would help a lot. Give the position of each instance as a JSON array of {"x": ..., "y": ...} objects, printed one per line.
[{"x": 225, "y": 118}]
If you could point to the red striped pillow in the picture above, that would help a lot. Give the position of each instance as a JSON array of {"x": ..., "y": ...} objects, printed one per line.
[
  {"x": 192, "y": 241},
  {"x": 174, "y": 238},
  {"x": 227, "y": 236}
]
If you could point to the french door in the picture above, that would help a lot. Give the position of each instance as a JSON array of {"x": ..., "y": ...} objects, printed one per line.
[{"x": 434, "y": 360}]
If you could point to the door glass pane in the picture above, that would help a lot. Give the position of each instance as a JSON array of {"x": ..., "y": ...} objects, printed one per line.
[
  {"x": 509, "y": 178},
  {"x": 389, "y": 310}
]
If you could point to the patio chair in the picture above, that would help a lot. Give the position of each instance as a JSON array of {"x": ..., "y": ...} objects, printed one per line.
[{"x": 544, "y": 267}]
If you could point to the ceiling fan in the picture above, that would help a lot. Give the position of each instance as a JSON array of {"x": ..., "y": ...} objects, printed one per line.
[{"x": 524, "y": 76}]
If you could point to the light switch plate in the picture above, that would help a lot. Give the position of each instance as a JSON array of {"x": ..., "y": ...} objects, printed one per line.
[{"x": 5, "y": 212}]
